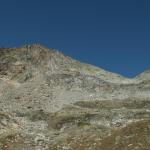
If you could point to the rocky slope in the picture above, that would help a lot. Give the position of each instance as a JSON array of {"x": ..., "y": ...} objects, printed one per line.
[{"x": 49, "y": 101}]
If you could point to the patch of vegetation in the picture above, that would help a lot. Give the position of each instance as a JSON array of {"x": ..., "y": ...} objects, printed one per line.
[
  {"x": 58, "y": 120},
  {"x": 133, "y": 136},
  {"x": 37, "y": 115},
  {"x": 142, "y": 115},
  {"x": 114, "y": 104},
  {"x": 147, "y": 128},
  {"x": 4, "y": 117},
  {"x": 83, "y": 123}
]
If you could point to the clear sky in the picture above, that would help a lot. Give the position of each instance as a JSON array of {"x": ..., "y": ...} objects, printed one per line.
[{"x": 112, "y": 34}]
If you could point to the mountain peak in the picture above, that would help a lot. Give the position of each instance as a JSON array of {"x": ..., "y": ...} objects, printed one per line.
[
  {"x": 37, "y": 59},
  {"x": 144, "y": 75},
  {"x": 35, "y": 46}
]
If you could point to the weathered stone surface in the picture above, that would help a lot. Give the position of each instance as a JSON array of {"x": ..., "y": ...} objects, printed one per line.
[{"x": 49, "y": 101}]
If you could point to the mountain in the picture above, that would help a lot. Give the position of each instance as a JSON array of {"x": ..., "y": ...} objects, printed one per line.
[
  {"x": 144, "y": 75},
  {"x": 38, "y": 59},
  {"x": 49, "y": 101}
]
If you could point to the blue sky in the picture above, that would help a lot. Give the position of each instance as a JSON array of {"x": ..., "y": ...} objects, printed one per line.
[{"x": 112, "y": 34}]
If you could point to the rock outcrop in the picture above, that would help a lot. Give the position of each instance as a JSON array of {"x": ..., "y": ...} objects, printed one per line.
[{"x": 49, "y": 101}]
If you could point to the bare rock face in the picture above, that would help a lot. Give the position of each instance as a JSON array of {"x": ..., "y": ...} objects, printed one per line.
[
  {"x": 144, "y": 76},
  {"x": 49, "y": 101}
]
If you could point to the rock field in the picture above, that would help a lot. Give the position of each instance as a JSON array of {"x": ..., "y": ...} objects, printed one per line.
[{"x": 49, "y": 101}]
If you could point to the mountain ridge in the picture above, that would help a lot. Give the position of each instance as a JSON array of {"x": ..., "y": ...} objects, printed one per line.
[
  {"x": 49, "y": 101},
  {"x": 38, "y": 54}
]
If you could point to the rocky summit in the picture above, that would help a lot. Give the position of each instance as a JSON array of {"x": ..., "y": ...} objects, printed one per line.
[{"x": 49, "y": 101}]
